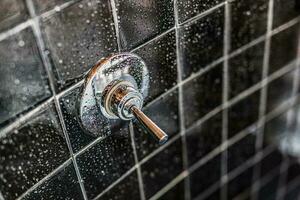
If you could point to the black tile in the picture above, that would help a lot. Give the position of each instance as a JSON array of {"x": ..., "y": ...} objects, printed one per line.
[
  {"x": 190, "y": 8},
  {"x": 292, "y": 193},
  {"x": 270, "y": 162},
  {"x": 284, "y": 47},
  {"x": 202, "y": 94},
  {"x": 127, "y": 189},
  {"x": 77, "y": 37},
  {"x": 241, "y": 152},
  {"x": 164, "y": 113},
  {"x": 293, "y": 172},
  {"x": 156, "y": 172},
  {"x": 160, "y": 58},
  {"x": 216, "y": 195},
  {"x": 23, "y": 78},
  {"x": 285, "y": 11},
  {"x": 205, "y": 176},
  {"x": 140, "y": 21},
  {"x": 275, "y": 130},
  {"x": 243, "y": 114},
  {"x": 245, "y": 69},
  {"x": 269, "y": 190},
  {"x": 201, "y": 42},
  {"x": 61, "y": 186},
  {"x": 204, "y": 138},
  {"x": 45, "y": 5},
  {"x": 240, "y": 185},
  {"x": 78, "y": 137},
  {"x": 176, "y": 192},
  {"x": 105, "y": 162},
  {"x": 279, "y": 91},
  {"x": 12, "y": 13},
  {"x": 31, "y": 152},
  {"x": 248, "y": 21}
]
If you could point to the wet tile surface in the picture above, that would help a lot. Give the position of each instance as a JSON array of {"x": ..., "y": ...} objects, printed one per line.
[
  {"x": 283, "y": 48},
  {"x": 248, "y": 21},
  {"x": 241, "y": 152},
  {"x": 12, "y": 13},
  {"x": 156, "y": 173},
  {"x": 105, "y": 162},
  {"x": 270, "y": 163},
  {"x": 164, "y": 113},
  {"x": 140, "y": 21},
  {"x": 209, "y": 174},
  {"x": 127, "y": 189},
  {"x": 285, "y": 11},
  {"x": 42, "y": 6},
  {"x": 240, "y": 185},
  {"x": 201, "y": 42},
  {"x": 243, "y": 114},
  {"x": 293, "y": 172},
  {"x": 29, "y": 153},
  {"x": 269, "y": 190},
  {"x": 63, "y": 185},
  {"x": 176, "y": 192},
  {"x": 202, "y": 94},
  {"x": 79, "y": 138},
  {"x": 245, "y": 69},
  {"x": 160, "y": 58},
  {"x": 23, "y": 80},
  {"x": 77, "y": 38},
  {"x": 204, "y": 138},
  {"x": 190, "y": 8},
  {"x": 279, "y": 91}
]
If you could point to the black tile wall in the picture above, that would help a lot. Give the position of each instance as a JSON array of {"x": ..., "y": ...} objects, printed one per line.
[
  {"x": 248, "y": 21},
  {"x": 12, "y": 13},
  {"x": 30, "y": 152},
  {"x": 21, "y": 66},
  {"x": 206, "y": 60},
  {"x": 77, "y": 37},
  {"x": 140, "y": 21}
]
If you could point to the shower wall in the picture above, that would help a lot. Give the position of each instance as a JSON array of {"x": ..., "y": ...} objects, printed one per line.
[{"x": 224, "y": 78}]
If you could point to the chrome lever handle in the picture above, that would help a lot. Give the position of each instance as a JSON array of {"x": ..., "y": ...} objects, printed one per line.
[{"x": 159, "y": 134}]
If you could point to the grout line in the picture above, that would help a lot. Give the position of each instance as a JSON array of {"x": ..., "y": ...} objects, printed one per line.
[
  {"x": 47, "y": 177},
  {"x": 116, "y": 23},
  {"x": 126, "y": 174},
  {"x": 78, "y": 84},
  {"x": 1, "y": 196},
  {"x": 209, "y": 191},
  {"x": 187, "y": 184},
  {"x": 139, "y": 173},
  {"x": 169, "y": 186},
  {"x": 224, "y": 154},
  {"x": 263, "y": 96}
]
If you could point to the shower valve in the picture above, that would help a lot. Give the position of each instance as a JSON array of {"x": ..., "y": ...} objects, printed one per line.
[{"x": 115, "y": 88}]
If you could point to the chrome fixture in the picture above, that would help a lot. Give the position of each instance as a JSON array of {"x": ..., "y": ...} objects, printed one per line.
[{"x": 115, "y": 88}]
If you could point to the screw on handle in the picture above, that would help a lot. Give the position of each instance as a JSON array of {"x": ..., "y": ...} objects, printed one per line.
[{"x": 149, "y": 124}]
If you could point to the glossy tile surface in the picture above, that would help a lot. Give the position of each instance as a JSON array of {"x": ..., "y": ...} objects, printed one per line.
[
  {"x": 209, "y": 174},
  {"x": 285, "y": 11},
  {"x": 243, "y": 114},
  {"x": 240, "y": 152},
  {"x": 204, "y": 138},
  {"x": 190, "y": 8},
  {"x": 140, "y": 21},
  {"x": 164, "y": 113},
  {"x": 23, "y": 79},
  {"x": 201, "y": 42},
  {"x": 63, "y": 185},
  {"x": 42, "y": 6},
  {"x": 248, "y": 21},
  {"x": 77, "y": 37},
  {"x": 29, "y": 153},
  {"x": 245, "y": 69},
  {"x": 127, "y": 189},
  {"x": 105, "y": 162},
  {"x": 156, "y": 173},
  {"x": 202, "y": 94},
  {"x": 269, "y": 190},
  {"x": 160, "y": 58},
  {"x": 12, "y": 13},
  {"x": 176, "y": 192},
  {"x": 270, "y": 163},
  {"x": 283, "y": 48}
]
